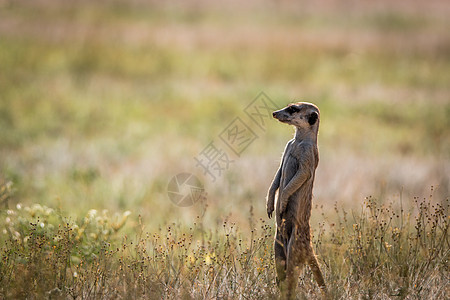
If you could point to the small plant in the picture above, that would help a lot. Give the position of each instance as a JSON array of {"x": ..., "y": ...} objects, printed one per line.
[
  {"x": 384, "y": 252},
  {"x": 42, "y": 250}
]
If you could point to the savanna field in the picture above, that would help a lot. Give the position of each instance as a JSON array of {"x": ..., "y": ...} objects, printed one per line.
[{"x": 103, "y": 102}]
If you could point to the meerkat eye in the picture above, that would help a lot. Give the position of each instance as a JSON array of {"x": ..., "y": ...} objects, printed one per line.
[{"x": 292, "y": 109}]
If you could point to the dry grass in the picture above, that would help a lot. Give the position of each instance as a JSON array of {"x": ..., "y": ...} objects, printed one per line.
[{"x": 377, "y": 253}]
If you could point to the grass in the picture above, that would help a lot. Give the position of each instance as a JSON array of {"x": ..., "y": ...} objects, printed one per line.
[
  {"x": 378, "y": 252},
  {"x": 102, "y": 103}
]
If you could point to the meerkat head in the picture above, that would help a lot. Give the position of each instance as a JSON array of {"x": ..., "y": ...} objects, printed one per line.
[{"x": 302, "y": 115}]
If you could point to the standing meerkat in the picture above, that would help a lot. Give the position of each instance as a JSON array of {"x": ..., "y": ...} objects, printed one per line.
[{"x": 294, "y": 182}]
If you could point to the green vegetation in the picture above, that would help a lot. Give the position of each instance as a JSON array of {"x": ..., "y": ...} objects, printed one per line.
[{"x": 102, "y": 102}]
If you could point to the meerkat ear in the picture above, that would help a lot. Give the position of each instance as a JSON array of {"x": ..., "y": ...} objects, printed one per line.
[{"x": 313, "y": 118}]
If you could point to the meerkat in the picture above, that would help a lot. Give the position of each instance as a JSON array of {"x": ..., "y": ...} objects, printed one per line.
[{"x": 294, "y": 182}]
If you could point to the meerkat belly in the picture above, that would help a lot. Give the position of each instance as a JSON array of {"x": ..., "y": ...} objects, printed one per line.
[{"x": 290, "y": 167}]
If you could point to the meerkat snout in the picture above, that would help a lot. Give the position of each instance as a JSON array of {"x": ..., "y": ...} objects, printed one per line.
[{"x": 285, "y": 115}]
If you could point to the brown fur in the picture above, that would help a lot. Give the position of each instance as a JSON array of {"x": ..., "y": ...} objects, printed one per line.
[{"x": 294, "y": 181}]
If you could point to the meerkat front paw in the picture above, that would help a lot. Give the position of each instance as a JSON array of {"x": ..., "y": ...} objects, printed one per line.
[
  {"x": 270, "y": 211},
  {"x": 283, "y": 201},
  {"x": 270, "y": 207}
]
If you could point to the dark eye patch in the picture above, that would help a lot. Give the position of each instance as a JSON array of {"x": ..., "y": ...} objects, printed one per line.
[
  {"x": 292, "y": 109},
  {"x": 313, "y": 118}
]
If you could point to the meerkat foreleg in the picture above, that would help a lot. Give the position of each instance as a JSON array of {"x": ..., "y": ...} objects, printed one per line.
[
  {"x": 270, "y": 203},
  {"x": 294, "y": 184}
]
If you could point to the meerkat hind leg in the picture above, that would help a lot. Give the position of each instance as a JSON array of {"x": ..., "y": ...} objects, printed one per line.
[
  {"x": 280, "y": 259},
  {"x": 315, "y": 269},
  {"x": 295, "y": 263}
]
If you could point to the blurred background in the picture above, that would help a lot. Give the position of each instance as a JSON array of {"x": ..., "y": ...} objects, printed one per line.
[{"x": 102, "y": 102}]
